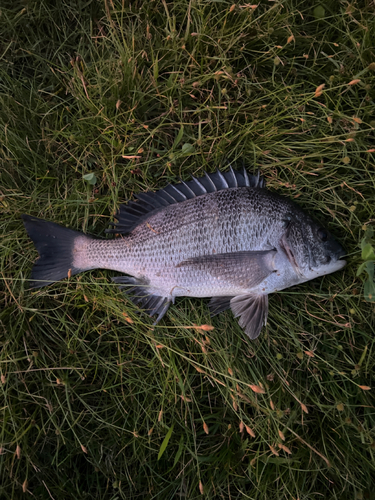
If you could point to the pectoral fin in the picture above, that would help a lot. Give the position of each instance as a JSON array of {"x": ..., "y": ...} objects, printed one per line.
[
  {"x": 253, "y": 312},
  {"x": 244, "y": 269}
]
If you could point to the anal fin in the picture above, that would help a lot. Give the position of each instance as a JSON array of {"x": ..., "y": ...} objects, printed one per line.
[{"x": 150, "y": 302}]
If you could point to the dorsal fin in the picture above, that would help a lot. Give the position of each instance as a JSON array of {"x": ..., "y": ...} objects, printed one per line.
[{"x": 135, "y": 212}]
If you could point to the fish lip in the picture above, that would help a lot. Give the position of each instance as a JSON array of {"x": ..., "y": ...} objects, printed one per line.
[
  {"x": 341, "y": 258},
  {"x": 341, "y": 262},
  {"x": 337, "y": 265}
]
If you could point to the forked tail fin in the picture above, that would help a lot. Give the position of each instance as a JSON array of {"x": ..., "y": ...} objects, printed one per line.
[{"x": 55, "y": 245}]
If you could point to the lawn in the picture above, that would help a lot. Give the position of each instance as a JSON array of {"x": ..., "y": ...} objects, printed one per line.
[{"x": 101, "y": 100}]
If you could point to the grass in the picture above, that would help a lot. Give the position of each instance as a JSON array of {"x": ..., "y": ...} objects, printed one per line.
[{"x": 96, "y": 403}]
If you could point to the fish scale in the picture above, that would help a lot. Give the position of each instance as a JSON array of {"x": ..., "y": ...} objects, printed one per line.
[
  {"x": 195, "y": 229},
  {"x": 224, "y": 236}
]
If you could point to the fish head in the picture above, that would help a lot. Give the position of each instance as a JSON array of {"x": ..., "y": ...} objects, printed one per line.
[{"x": 311, "y": 249}]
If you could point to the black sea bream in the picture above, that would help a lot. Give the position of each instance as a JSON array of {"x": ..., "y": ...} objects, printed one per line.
[{"x": 223, "y": 236}]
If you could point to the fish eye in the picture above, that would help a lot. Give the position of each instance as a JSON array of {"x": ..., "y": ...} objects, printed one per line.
[{"x": 322, "y": 234}]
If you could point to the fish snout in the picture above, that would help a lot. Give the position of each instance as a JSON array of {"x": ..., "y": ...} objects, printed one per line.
[
  {"x": 334, "y": 251},
  {"x": 334, "y": 256}
]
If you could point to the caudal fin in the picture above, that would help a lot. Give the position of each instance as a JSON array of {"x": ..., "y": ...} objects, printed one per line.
[{"x": 55, "y": 245}]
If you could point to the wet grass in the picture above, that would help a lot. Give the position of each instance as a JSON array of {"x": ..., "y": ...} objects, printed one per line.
[{"x": 96, "y": 403}]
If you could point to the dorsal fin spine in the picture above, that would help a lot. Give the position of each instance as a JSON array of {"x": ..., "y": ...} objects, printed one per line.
[
  {"x": 200, "y": 185},
  {"x": 164, "y": 191},
  {"x": 193, "y": 195},
  {"x": 211, "y": 181},
  {"x": 247, "y": 182},
  {"x": 178, "y": 191},
  {"x": 234, "y": 176},
  {"x": 258, "y": 176},
  {"x": 226, "y": 185}
]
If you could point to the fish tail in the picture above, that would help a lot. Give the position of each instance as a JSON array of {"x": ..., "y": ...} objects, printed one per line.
[{"x": 55, "y": 245}]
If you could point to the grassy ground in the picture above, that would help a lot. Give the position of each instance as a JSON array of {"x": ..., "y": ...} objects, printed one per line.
[{"x": 95, "y": 402}]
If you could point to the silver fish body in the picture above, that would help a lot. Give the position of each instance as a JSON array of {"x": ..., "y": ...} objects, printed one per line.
[{"x": 226, "y": 237}]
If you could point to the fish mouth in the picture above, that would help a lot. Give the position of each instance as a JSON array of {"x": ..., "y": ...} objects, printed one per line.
[{"x": 332, "y": 266}]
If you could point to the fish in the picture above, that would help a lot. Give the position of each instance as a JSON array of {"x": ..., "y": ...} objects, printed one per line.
[{"x": 223, "y": 236}]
